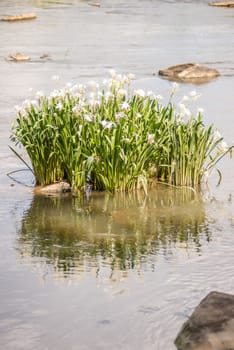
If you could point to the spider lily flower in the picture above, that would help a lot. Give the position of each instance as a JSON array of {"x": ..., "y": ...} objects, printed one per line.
[
  {"x": 112, "y": 73},
  {"x": 59, "y": 106},
  {"x": 119, "y": 116},
  {"x": 40, "y": 94},
  {"x": 88, "y": 118},
  {"x": 159, "y": 97},
  {"x": 150, "y": 94},
  {"x": 151, "y": 139},
  {"x": 106, "y": 124},
  {"x": 125, "y": 106},
  {"x": 184, "y": 110},
  {"x": 223, "y": 147},
  {"x": 122, "y": 92},
  {"x": 217, "y": 135},
  {"x": 175, "y": 88},
  {"x": 139, "y": 93},
  {"x": 200, "y": 110}
]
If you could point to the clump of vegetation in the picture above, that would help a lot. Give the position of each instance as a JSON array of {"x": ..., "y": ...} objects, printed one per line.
[{"x": 115, "y": 139}]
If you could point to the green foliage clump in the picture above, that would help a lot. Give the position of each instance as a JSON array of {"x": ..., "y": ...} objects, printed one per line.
[{"x": 114, "y": 138}]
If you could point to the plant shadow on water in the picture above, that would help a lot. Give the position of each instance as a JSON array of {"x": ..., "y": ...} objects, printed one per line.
[{"x": 122, "y": 232}]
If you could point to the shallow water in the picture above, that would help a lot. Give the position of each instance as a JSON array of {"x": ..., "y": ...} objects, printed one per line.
[{"x": 119, "y": 272}]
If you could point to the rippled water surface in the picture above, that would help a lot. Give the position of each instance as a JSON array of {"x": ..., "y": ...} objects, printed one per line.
[{"x": 108, "y": 272}]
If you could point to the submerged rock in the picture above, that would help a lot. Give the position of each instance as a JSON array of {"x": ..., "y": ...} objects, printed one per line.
[
  {"x": 222, "y": 4},
  {"x": 211, "y": 325},
  {"x": 24, "y": 16},
  {"x": 18, "y": 57},
  {"x": 189, "y": 72},
  {"x": 53, "y": 189}
]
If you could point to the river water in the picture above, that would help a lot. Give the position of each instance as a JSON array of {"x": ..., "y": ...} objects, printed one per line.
[{"x": 107, "y": 272}]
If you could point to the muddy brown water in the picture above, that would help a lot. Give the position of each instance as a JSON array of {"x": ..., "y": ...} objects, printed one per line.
[{"x": 119, "y": 272}]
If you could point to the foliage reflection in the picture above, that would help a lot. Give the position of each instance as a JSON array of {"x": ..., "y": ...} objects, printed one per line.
[{"x": 122, "y": 231}]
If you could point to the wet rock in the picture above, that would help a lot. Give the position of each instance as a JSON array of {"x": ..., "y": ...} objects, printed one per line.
[
  {"x": 24, "y": 16},
  {"x": 53, "y": 189},
  {"x": 222, "y": 4},
  {"x": 18, "y": 57},
  {"x": 189, "y": 72},
  {"x": 95, "y": 4},
  {"x": 211, "y": 326}
]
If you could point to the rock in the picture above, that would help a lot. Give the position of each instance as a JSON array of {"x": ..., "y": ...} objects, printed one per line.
[
  {"x": 95, "y": 4},
  {"x": 53, "y": 189},
  {"x": 222, "y": 4},
  {"x": 211, "y": 325},
  {"x": 18, "y": 57},
  {"x": 24, "y": 16},
  {"x": 189, "y": 72}
]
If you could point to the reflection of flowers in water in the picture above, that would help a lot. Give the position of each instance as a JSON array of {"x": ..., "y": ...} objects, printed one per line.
[{"x": 120, "y": 232}]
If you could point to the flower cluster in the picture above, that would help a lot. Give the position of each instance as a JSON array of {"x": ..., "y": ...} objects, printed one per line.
[{"x": 115, "y": 136}]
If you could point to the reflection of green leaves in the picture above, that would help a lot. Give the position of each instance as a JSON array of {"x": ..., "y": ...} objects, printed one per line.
[{"x": 122, "y": 230}]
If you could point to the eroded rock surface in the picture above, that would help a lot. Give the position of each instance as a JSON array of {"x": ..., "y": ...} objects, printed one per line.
[
  {"x": 211, "y": 326},
  {"x": 18, "y": 57},
  {"x": 22, "y": 17},
  {"x": 189, "y": 72},
  {"x": 53, "y": 189},
  {"x": 222, "y": 4}
]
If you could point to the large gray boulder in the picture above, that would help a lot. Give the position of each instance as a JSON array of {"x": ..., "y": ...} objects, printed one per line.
[
  {"x": 211, "y": 326},
  {"x": 189, "y": 72}
]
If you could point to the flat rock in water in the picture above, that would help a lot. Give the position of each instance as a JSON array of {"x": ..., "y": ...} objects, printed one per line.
[
  {"x": 222, "y": 4},
  {"x": 53, "y": 189},
  {"x": 211, "y": 326},
  {"x": 189, "y": 72},
  {"x": 18, "y": 57},
  {"x": 24, "y": 16}
]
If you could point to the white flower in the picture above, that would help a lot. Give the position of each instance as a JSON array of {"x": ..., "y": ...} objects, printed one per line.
[
  {"x": 122, "y": 92},
  {"x": 33, "y": 103},
  {"x": 200, "y": 110},
  {"x": 175, "y": 88},
  {"x": 106, "y": 124},
  {"x": 159, "y": 97},
  {"x": 223, "y": 147},
  {"x": 150, "y": 94},
  {"x": 108, "y": 95},
  {"x": 138, "y": 115},
  {"x": 217, "y": 135},
  {"x": 118, "y": 116},
  {"x": 76, "y": 109},
  {"x": 94, "y": 103},
  {"x": 151, "y": 139},
  {"x": 139, "y": 92},
  {"x": 125, "y": 106},
  {"x": 40, "y": 94},
  {"x": 54, "y": 94},
  {"x": 130, "y": 76},
  {"x": 88, "y": 118},
  {"x": 90, "y": 159},
  {"x": 112, "y": 73},
  {"x": 184, "y": 110},
  {"x": 59, "y": 106}
]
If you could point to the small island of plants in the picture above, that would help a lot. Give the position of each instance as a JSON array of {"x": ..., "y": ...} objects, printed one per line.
[{"x": 114, "y": 139}]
